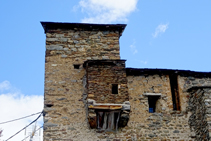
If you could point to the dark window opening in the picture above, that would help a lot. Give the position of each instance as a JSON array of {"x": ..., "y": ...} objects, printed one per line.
[
  {"x": 114, "y": 88},
  {"x": 152, "y": 100},
  {"x": 48, "y": 105},
  {"x": 174, "y": 92},
  {"x": 76, "y": 66}
]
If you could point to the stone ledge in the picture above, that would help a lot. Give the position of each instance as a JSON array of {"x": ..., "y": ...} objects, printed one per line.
[
  {"x": 197, "y": 87},
  {"x": 152, "y": 94},
  {"x": 125, "y": 105}
]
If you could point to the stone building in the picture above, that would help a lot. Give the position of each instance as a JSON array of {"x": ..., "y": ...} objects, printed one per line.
[{"x": 90, "y": 95}]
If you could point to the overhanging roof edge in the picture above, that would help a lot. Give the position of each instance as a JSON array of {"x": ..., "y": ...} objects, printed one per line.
[{"x": 85, "y": 26}]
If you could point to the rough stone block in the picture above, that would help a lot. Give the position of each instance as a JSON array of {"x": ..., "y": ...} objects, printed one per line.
[{"x": 54, "y": 47}]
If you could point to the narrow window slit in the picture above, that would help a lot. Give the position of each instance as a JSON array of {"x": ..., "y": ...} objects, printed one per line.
[
  {"x": 174, "y": 92},
  {"x": 114, "y": 88},
  {"x": 48, "y": 105}
]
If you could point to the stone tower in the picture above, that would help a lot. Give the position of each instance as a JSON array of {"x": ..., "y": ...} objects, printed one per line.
[{"x": 85, "y": 80}]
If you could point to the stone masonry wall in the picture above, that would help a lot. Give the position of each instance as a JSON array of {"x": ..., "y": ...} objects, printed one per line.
[
  {"x": 138, "y": 85},
  {"x": 63, "y": 104},
  {"x": 186, "y": 82},
  {"x": 165, "y": 124},
  {"x": 207, "y": 100},
  {"x": 101, "y": 76},
  {"x": 198, "y": 118},
  {"x": 198, "y": 101}
]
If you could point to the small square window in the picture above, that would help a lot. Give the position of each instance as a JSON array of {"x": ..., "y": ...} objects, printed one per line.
[
  {"x": 76, "y": 66},
  {"x": 114, "y": 88}
]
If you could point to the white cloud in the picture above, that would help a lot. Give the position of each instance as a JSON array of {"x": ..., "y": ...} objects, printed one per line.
[
  {"x": 144, "y": 62},
  {"x": 160, "y": 29},
  {"x": 133, "y": 47},
  {"x": 15, "y": 105},
  {"x": 5, "y": 85},
  {"x": 107, "y": 11}
]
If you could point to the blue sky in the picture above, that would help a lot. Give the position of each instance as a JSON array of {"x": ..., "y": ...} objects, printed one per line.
[
  {"x": 159, "y": 34},
  {"x": 185, "y": 44}
]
